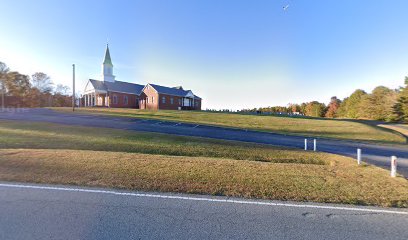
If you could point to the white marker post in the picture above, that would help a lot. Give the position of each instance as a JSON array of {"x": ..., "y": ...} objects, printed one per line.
[
  {"x": 73, "y": 88},
  {"x": 305, "y": 144},
  {"x": 314, "y": 145},
  {"x": 393, "y": 166},
  {"x": 358, "y": 156}
]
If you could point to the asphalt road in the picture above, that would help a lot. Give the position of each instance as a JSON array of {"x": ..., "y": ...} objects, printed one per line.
[
  {"x": 49, "y": 212},
  {"x": 375, "y": 154}
]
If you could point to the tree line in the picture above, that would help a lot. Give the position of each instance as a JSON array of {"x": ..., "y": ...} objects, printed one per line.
[
  {"x": 37, "y": 90},
  {"x": 382, "y": 104}
]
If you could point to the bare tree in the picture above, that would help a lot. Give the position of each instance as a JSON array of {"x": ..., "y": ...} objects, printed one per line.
[
  {"x": 42, "y": 82},
  {"x": 62, "y": 89}
]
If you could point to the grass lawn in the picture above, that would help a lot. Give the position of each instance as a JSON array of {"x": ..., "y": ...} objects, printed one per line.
[
  {"x": 52, "y": 153},
  {"x": 401, "y": 128},
  {"x": 330, "y": 128}
]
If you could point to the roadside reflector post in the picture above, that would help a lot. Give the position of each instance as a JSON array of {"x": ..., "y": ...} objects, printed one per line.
[
  {"x": 393, "y": 166},
  {"x": 314, "y": 145},
  {"x": 305, "y": 144},
  {"x": 358, "y": 156}
]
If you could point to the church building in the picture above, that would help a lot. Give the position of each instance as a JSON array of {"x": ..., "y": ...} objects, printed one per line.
[{"x": 110, "y": 92}]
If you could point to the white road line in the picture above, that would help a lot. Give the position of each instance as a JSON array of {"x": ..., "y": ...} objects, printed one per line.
[
  {"x": 156, "y": 123},
  {"x": 176, "y": 124},
  {"x": 196, "y": 126},
  {"x": 203, "y": 199}
]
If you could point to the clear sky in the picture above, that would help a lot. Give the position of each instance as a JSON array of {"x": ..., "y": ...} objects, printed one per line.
[{"x": 234, "y": 54}]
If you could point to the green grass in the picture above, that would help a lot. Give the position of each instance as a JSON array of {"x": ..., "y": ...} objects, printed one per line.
[
  {"x": 59, "y": 154},
  {"x": 329, "y": 128},
  {"x": 55, "y": 136},
  {"x": 401, "y": 128}
]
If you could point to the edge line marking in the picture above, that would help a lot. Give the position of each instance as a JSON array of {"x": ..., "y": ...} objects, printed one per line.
[{"x": 147, "y": 195}]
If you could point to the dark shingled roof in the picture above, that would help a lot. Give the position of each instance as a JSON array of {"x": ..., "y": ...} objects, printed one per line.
[
  {"x": 176, "y": 91},
  {"x": 117, "y": 86}
]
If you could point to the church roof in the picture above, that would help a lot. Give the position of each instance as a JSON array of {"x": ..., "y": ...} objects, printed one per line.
[
  {"x": 107, "y": 59},
  {"x": 117, "y": 86},
  {"x": 175, "y": 91}
]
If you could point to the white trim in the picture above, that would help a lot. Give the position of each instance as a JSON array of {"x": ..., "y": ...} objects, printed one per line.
[
  {"x": 86, "y": 86},
  {"x": 190, "y": 94},
  {"x": 204, "y": 199},
  {"x": 92, "y": 90},
  {"x": 124, "y": 92},
  {"x": 173, "y": 95},
  {"x": 96, "y": 91},
  {"x": 151, "y": 87}
]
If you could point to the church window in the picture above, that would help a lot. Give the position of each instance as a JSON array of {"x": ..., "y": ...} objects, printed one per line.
[
  {"x": 152, "y": 99},
  {"x": 126, "y": 100},
  {"x": 115, "y": 99},
  {"x": 171, "y": 101},
  {"x": 163, "y": 99}
]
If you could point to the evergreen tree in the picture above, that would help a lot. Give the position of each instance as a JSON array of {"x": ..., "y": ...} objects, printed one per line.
[{"x": 401, "y": 106}]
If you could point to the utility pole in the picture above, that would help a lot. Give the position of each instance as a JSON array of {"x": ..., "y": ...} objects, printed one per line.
[
  {"x": 3, "y": 90},
  {"x": 73, "y": 87},
  {"x": 2, "y": 96}
]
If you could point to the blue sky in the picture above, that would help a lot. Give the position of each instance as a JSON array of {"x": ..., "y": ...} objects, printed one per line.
[{"x": 234, "y": 54}]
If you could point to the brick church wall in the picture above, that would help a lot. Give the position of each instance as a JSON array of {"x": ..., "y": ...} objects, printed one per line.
[{"x": 133, "y": 100}]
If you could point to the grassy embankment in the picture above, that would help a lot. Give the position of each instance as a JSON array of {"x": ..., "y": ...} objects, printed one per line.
[
  {"x": 51, "y": 153},
  {"x": 329, "y": 128}
]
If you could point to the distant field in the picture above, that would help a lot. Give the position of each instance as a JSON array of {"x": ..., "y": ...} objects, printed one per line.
[
  {"x": 340, "y": 129},
  {"x": 60, "y": 154}
]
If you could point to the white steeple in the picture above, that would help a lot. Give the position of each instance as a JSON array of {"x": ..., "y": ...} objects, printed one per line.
[{"x": 107, "y": 67}]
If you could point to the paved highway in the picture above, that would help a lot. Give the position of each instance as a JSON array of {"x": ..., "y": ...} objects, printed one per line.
[
  {"x": 50, "y": 212},
  {"x": 372, "y": 153}
]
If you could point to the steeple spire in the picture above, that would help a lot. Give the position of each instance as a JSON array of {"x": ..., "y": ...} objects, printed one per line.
[
  {"x": 107, "y": 67},
  {"x": 108, "y": 59}
]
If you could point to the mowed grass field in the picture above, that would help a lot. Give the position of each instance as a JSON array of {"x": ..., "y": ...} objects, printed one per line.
[
  {"x": 59, "y": 154},
  {"x": 329, "y": 128}
]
